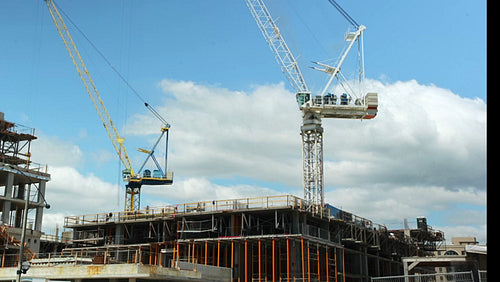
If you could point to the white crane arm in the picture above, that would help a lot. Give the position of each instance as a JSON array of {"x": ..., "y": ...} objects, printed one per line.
[
  {"x": 281, "y": 51},
  {"x": 352, "y": 37}
]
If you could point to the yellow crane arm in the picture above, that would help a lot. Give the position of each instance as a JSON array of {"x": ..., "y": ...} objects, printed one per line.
[{"x": 89, "y": 85}]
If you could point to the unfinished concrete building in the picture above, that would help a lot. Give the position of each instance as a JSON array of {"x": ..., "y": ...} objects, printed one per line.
[
  {"x": 19, "y": 177},
  {"x": 275, "y": 238},
  {"x": 258, "y": 239}
]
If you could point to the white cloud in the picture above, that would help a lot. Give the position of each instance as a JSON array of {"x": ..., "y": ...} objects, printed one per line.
[
  {"x": 54, "y": 151},
  {"x": 423, "y": 135},
  {"x": 478, "y": 231},
  {"x": 221, "y": 133},
  {"x": 71, "y": 193},
  {"x": 424, "y": 153},
  {"x": 386, "y": 204},
  {"x": 201, "y": 189}
]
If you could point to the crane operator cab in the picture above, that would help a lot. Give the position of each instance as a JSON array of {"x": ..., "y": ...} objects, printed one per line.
[
  {"x": 126, "y": 174},
  {"x": 302, "y": 98}
]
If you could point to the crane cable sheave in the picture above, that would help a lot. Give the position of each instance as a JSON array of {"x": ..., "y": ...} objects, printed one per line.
[{"x": 165, "y": 125}]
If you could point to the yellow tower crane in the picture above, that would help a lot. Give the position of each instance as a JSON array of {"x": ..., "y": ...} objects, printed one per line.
[{"x": 134, "y": 180}]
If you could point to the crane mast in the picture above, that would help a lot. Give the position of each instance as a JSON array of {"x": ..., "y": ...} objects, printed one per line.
[
  {"x": 325, "y": 105},
  {"x": 134, "y": 181}
]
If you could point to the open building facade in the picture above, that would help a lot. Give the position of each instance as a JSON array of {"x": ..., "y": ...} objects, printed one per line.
[
  {"x": 275, "y": 238},
  {"x": 21, "y": 182},
  {"x": 259, "y": 239}
]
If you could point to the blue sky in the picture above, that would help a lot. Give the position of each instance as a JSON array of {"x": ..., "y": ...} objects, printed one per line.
[{"x": 210, "y": 73}]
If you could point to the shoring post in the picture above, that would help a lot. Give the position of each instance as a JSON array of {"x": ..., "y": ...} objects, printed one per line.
[
  {"x": 288, "y": 259},
  {"x": 194, "y": 251},
  {"x": 218, "y": 252},
  {"x": 206, "y": 251},
  {"x": 232, "y": 254},
  {"x": 302, "y": 250},
  {"x": 335, "y": 261},
  {"x": 273, "y": 261},
  {"x": 246, "y": 255},
  {"x": 308, "y": 263},
  {"x": 317, "y": 252}
]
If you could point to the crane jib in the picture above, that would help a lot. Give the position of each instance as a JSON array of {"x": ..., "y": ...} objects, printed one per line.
[{"x": 159, "y": 177}]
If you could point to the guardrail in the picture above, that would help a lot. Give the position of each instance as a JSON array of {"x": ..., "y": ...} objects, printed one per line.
[
  {"x": 187, "y": 208},
  {"x": 280, "y": 201}
]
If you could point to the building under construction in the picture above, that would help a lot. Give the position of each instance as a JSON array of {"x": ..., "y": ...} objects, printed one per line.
[
  {"x": 21, "y": 182},
  {"x": 273, "y": 238},
  {"x": 253, "y": 239}
]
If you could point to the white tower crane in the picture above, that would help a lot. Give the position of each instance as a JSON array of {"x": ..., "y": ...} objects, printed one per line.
[{"x": 324, "y": 105}]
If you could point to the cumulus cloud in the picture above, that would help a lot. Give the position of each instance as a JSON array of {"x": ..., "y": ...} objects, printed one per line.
[
  {"x": 218, "y": 133},
  {"x": 71, "y": 193},
  {"x": 56, "y": 152},
  {"x": 388, "y": 204},
  {"x": 202, "y": 189},
  {"x": 423, "y": 135},
  {"x": 424, "y": 154}
]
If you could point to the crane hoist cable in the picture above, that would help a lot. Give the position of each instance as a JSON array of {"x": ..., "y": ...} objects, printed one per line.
[
  {"x": 135, "y": 180},
  {"x": 94, "y": 95},
  {"x": 344, "y": 13},
  {"x": 136, "y": 93}
]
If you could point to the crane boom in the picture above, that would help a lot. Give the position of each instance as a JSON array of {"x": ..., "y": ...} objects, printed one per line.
[
  {"x": 115, "y": 138},
  {"x": 134, "y": 181},
  {"x": 284, "y": 56}
]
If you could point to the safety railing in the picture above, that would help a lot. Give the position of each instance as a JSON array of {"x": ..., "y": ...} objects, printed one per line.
[
  {"x": 186, "y": 208},
  {"x": 450, "y": 276},
  {"x": 279, "y": 201}
]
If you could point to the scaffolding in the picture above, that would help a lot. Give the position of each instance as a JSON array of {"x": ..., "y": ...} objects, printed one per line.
[
  {"x": 22, "y": 184},
  {"x": 15, "y": 142}
]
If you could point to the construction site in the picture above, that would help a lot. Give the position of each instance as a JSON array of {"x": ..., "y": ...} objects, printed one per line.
[
  {"x": 253, "y": 239},
  {"x": 274, "y": 238},
  {"x": 266, "y": 238}
]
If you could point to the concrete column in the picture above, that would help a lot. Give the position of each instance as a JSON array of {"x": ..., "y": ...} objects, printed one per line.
[
  {"x": 8, "y": 196},
  {"x": 119, "y": 234},
  {"x": 39, "y": 210},
  {"x": 18, "y": 218}
]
